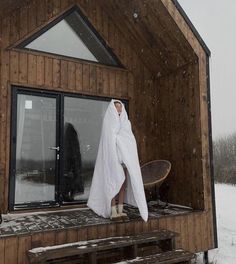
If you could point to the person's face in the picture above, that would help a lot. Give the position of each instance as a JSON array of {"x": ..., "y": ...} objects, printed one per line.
[{"x": 118, "y": 108}]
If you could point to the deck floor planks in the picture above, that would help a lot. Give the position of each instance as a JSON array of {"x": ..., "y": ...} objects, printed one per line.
[
  {"x": 11, "y": 250},
  {"x": 82, "y": 233},
  {"x": 102, "y": 231},
  {"x": 37, "y": 240},
  {"x": 61, "y": 237},
  {"x": 72, "y": 235},
  {"x": 2, "y": 248},
  {"x": 92, "y": 232},
  {"x": 23, "y": 247}
]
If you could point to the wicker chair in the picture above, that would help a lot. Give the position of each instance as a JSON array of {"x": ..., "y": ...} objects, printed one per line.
[{"x": 153, "y": 174}]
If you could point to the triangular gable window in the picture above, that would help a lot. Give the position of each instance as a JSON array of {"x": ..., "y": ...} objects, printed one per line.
[{"x": 73, "y": 36}]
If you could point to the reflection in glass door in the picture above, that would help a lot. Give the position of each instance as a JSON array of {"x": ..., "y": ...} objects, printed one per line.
[
  {"x": 35, "y": 149},
  {"x": 82, "y": 128}
]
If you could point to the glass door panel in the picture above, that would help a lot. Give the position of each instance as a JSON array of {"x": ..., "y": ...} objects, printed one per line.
[
  {"x": 82, "y": 128},
  {"x": 35, "y": 168}
]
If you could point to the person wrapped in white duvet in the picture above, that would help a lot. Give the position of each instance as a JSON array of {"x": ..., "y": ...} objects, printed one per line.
[{"x": 117, "y": 166}]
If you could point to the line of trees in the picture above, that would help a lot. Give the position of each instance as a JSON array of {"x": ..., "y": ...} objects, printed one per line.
[{"x": 224, "y": 158}]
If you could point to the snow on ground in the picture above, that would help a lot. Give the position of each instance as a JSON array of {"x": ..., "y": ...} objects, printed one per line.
[{"x": 226, "y": 225}]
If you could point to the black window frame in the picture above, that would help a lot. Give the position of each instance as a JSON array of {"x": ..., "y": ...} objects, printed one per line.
[{"x": 60, "y": 95}]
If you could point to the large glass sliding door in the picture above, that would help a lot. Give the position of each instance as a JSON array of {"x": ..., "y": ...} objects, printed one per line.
[
  {"x": 54, "y": 144},
  {"x": 35, "y": 165}
]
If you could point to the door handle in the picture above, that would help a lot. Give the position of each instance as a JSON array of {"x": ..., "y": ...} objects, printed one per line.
[{"x": 54, "y": 148}]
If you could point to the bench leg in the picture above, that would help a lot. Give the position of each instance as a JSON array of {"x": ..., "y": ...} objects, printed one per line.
[
  {"x": 131, "y": 252},
  {"x": 205, "y": 257},
  {"x": 135, "y": 251},
  {"x": 167, "y": 245},
  {"x": 93, "y": 258}
]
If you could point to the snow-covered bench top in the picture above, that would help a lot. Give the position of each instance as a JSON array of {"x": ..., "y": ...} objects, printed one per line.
[{"x": 170, "y": 257}]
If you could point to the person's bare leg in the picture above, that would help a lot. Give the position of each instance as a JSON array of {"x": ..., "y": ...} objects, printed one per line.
[
  {"x": 113, "y": 202},
  {"x": 121, "y": 195},
  {"x": 122, "y": 191},
  {"x": 114, "y": 213}
]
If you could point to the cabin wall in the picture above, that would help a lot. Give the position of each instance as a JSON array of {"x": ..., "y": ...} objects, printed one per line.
[
  {"x": 203, "y": 94},
  {"x": 180, "y": 135},
  {"x": 1, "y": 168}
]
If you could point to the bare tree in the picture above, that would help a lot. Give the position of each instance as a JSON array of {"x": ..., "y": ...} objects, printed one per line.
[{"x": 224, "y": 157}]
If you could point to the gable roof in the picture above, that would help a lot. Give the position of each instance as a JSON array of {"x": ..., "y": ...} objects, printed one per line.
[{"x": 149, "y": 27}]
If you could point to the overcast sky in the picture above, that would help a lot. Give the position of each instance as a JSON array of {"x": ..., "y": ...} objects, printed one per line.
[{"x": 215, "y": 20}]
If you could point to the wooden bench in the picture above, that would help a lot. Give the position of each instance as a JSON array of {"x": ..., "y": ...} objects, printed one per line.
[
  {"x": 93, "y": 250},
  {"x": 169, "y": 257}
]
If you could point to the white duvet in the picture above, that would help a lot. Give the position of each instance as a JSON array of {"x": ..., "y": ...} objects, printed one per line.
[{"x": 117, "y": 144}]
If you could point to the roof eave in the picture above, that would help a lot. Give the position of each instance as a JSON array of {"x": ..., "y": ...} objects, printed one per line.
[{"x": 190, "y": 24}]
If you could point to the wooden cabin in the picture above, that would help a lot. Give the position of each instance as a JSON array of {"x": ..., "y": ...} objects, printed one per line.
[{"x": 61, "y": 62}]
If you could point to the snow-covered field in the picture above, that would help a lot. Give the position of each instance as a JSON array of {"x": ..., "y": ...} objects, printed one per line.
[{"x": 226, "y": 225}]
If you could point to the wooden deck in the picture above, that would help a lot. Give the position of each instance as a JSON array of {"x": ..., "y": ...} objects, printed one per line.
[
  {"x": 30, "y": 223},
  {"x": 22, "y": 232}
]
